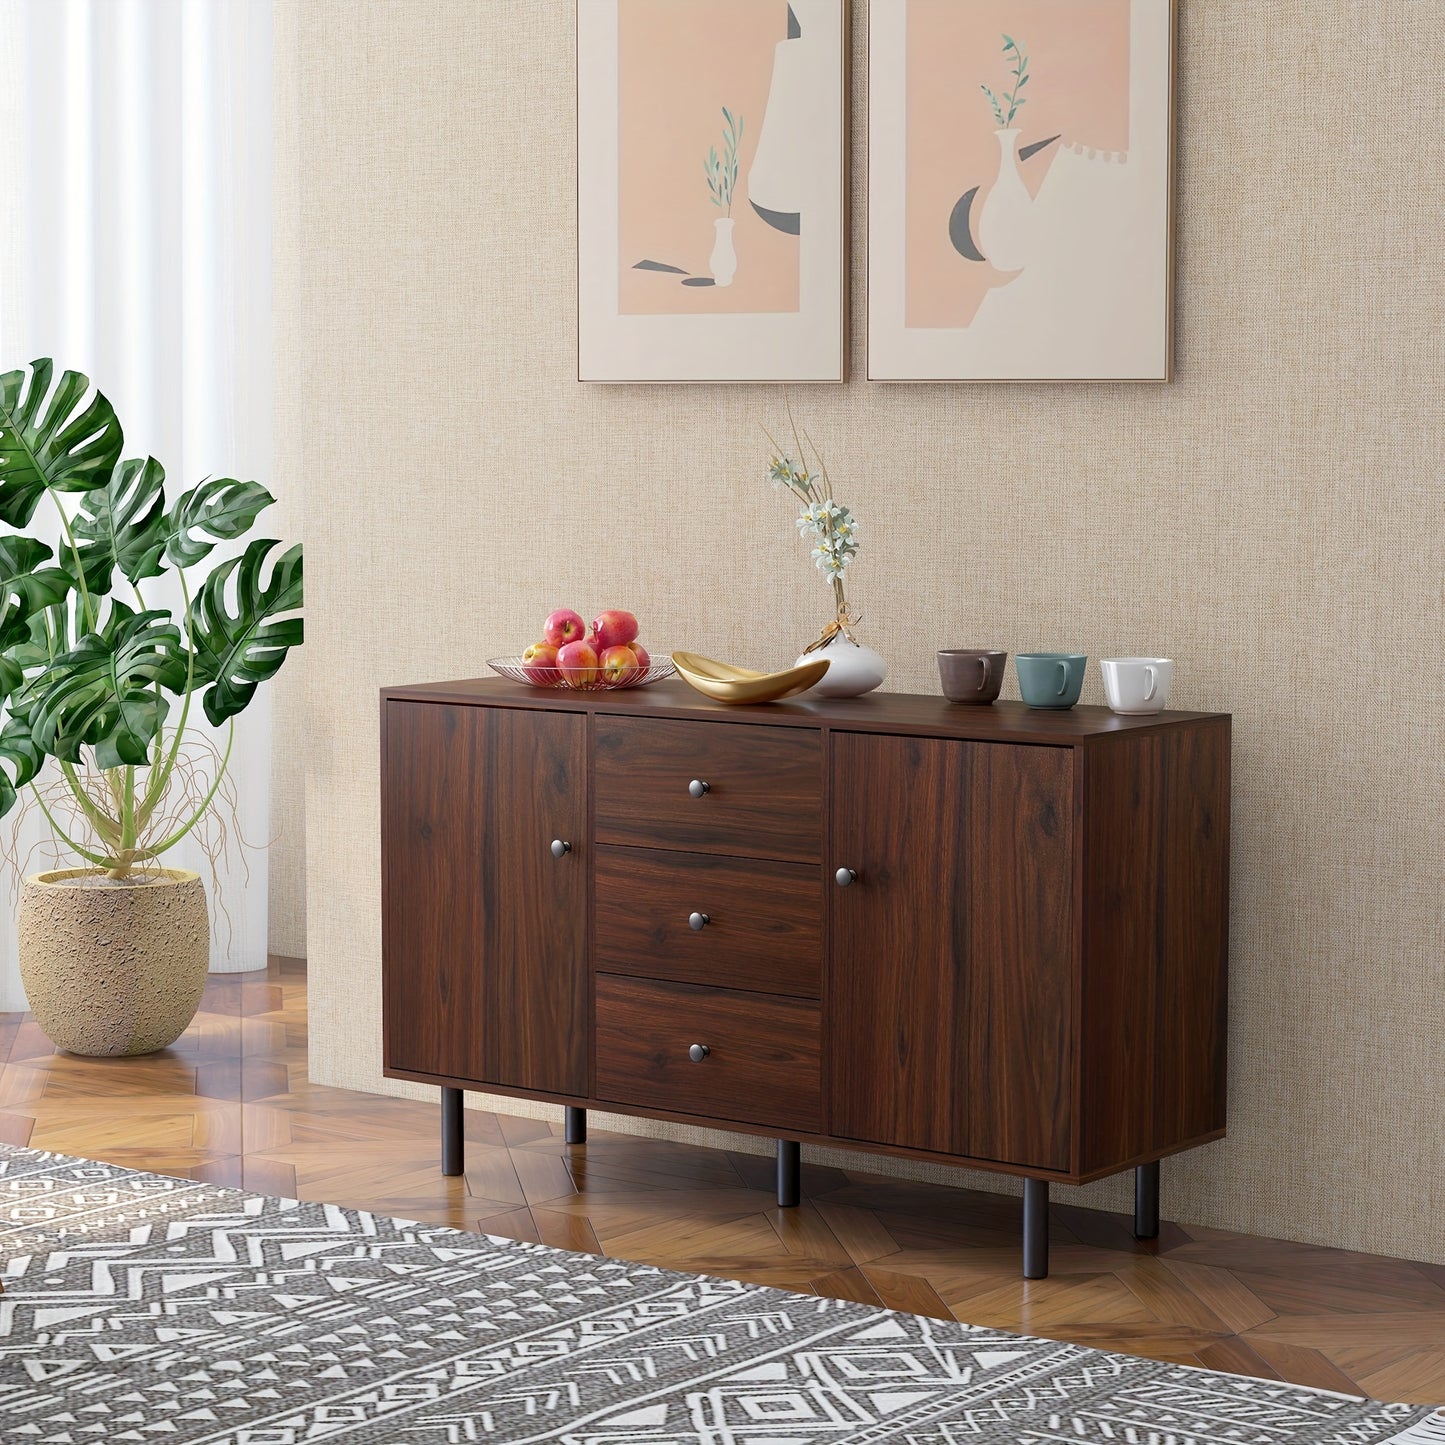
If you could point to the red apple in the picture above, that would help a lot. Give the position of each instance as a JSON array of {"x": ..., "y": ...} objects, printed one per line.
[
  {"x": 614, "y": 628},
  {"x": 563, "y": 626},
  {"x": 577, "y": 662},
  {"x": 619, "y": 665},
  {"x": 643, "y": 660},
  {"x": 539, "y": 662}
]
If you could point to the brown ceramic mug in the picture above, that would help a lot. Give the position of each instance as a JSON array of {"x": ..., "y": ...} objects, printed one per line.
[{"x": 971, "y": 674}]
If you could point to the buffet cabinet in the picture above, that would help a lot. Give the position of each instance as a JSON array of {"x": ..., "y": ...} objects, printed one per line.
[{"x": 986, "y": 936}]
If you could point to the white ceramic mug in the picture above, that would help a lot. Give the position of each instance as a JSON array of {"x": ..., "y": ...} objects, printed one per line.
[{"x": 1137, "y": 684}]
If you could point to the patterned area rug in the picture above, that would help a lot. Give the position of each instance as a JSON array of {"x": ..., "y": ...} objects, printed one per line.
[{"x": 138, "y": 1307}]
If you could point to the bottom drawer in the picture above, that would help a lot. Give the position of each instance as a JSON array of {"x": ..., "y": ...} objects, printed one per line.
[{"x": 762, "y": 1064}]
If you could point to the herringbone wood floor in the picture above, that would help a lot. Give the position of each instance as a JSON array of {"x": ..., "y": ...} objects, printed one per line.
[{"x": 231, "y": 1103}]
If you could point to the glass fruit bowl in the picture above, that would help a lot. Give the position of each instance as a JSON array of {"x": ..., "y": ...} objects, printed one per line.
[{"x": 538, "y": 675}]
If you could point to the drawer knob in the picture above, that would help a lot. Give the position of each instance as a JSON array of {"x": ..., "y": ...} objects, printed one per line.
[
  {"x": 697, "y": 788},
  {"x": 560, "y": 849},
  {"x": 698, "y": 1052},
  {"x": 698, "y": 921},
  {"x": 845, "y": 876}
]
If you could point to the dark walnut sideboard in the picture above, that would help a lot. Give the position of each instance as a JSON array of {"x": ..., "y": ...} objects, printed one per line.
[{"x": 984, "y": 936}]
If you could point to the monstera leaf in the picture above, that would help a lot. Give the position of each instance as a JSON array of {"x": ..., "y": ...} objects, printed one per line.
[
  {"x": 19, "y": 749},
  {"x": 105, "y": 692},
  {"x": 26, "y": 587},
  {"x": 222, "y": 509},
  {"x": 237, "y": 649},
  {"x": 123, "y": 525},
  {"x": 65, "y": 447}
]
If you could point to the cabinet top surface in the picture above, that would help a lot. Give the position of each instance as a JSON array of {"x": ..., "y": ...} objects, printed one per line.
[{"x": 884, "y": 712}]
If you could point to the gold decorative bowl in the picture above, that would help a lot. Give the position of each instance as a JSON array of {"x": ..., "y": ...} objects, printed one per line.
[{"x": 723, "y": 682}]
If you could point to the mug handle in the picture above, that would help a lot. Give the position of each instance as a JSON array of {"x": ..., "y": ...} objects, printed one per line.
[
  {"x": 1153, "y": 684},
  {"x": 983, "y": 681},
  {"x": 1063, "y": 678}
]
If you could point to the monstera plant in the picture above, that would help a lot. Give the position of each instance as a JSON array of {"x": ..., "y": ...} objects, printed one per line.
[{"x": 100, "y": 679}]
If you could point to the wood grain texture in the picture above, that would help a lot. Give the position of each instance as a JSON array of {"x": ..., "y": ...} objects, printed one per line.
[
  {"x": 950, "y": 985},
  {"x": 917, "y": 714},
  {"x": 897, "y": 974},
  {"x": 1155, "y": 941},
  {"x": 764, "y": 929},
  {"x": 1191, "y": 1019},
  {"x": 484, "y": 931},
  {"x": 1029, "y": 975},
  {"x": 1019, "y": 913},
  {"x": 763, "y": 1063},
  {"x": 765, "y": 797}
]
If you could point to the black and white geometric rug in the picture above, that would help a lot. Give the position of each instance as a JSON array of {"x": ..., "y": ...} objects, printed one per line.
[{"x": 142, "y": 1308}]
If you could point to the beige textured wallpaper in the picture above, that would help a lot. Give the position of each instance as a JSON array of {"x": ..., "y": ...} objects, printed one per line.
[{"x": 1272, "y": 520}]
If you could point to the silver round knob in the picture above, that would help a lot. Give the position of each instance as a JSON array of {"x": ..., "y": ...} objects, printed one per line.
[
  {"x": 697, "y": 788},
  {"x": 698, "y": 921},
  {"x": 844, "y": 876},
  {"x": 698, "y": 1052},
  {"x": 560, "y": 849}
]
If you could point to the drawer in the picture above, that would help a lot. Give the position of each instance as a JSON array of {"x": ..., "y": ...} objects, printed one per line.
[
  {"x": 762, "y": 1064},
  {"x": 764, "y": 795},
  {"x": 764, "y": 928}
]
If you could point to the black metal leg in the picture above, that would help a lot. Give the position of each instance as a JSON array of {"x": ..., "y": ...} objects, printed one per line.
[
  {"x": 575, "y": 1126},
  {"x": 453, "y": 1153},
  {"x": 1036, "y": 1228},
  {"x": 789, "y": 1171},
  {"x": 1146, "y": 1201}
]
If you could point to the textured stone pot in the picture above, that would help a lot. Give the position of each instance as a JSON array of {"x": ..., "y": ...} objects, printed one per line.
[{"x": 114, "y": 969}]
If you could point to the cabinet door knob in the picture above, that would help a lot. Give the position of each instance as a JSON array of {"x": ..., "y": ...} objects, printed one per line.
[
  {"x": 697, "y": 788},
  {"x": 844, "y": 876},
  {"x": 698, "y": 1052},
  {"x": 560, "y": 849},
  {"x": 698, "y": 921}
]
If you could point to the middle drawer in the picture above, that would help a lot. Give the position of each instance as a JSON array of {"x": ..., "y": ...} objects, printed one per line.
[{"x": 704, "y": 918}]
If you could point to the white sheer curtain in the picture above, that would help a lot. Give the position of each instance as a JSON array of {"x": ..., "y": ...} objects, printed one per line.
[{"x": 135, "y": 207}]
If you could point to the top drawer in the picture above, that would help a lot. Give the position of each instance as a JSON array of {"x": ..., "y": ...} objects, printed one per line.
[{"x": 763, "y": 796}]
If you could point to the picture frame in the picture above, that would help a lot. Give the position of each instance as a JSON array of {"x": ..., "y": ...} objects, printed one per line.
[
  {"x": 712, "y": 191},
  {"x": 1021, "y": 190}
]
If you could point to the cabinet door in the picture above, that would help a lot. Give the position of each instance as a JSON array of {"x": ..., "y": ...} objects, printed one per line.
[
  {"x": 949, "y": 1000},
  {"x": 483, "y": 930}
]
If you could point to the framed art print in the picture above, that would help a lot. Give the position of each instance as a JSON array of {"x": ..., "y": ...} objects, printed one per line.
[
  {"x": 1020, "y": 190},
  {"x": 710, "y": 190}
]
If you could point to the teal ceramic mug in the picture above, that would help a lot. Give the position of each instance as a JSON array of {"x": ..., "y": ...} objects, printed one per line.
[{"x": 1051, "y": 679}]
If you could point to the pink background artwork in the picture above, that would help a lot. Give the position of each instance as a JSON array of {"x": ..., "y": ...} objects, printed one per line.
[
  {"x": 679, "y": 63},
  {"x": 1078, "y": 88}
]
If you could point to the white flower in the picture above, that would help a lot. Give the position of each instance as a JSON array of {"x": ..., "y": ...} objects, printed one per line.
[{"x": 829, "y": 525}]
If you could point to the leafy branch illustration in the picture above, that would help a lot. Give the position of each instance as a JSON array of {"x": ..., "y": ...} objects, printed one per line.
[
  {"x": 1020, "y": 73},
  {"x": 722, "y": 171}
]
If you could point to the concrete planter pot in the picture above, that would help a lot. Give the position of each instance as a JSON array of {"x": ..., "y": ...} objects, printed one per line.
[{"x": 114, "y": 969}]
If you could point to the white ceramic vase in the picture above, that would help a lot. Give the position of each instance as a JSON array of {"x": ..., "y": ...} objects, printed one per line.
[
  {"x": 1005, "y": 224},
  {"x": 724, "y": 259},
  {"x": 852, "y": 669}
]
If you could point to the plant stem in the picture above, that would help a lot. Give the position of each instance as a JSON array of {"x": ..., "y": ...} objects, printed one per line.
[
  {"x": 127, "y": 810},
  {"x": 122, "y": 786},
  {"x": 842, "y": 601},
  {"x": 107, "y": 827},
  {"x": 156, "y": 849},
  {"x": 65, "y": 837},
  {"x": 79, "y": 570},
  {"x": 161, "y": 775}
]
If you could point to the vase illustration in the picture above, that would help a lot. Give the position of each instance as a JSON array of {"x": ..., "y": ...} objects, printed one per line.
[
  {"x": 724, "y": 260},
  {"x": 1006, "y": 221}
]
